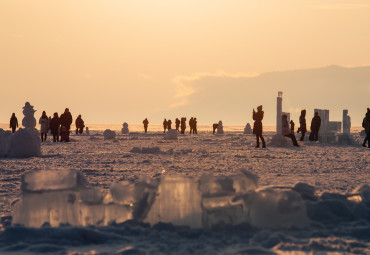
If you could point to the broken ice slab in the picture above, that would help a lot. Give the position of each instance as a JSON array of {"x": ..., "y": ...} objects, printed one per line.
[
  {"x": 177, "y": 201},
  {"x": 48, "y": 180},
  {"x": 59, "y": 197},
  {"x": 276, "y": 209},
  {"x": 242, "y": 182},
  {"x": 55, "y": 208}
]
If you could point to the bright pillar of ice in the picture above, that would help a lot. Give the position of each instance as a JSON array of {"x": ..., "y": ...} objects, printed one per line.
[{"x": 279, "y": 110}]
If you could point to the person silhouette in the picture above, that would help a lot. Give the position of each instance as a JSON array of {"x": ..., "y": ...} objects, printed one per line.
[
  {"x": 257, "y": 126},
  {"x": 13, "y": 123},
  {"x": 315, "y": 127},
  {"x": 169, "y": 123},
  {"x": 43, "y": 121},
  {"x": 214, "y": 126},
  {"x": 146, "y": 122},
  {"x": 286, "y": 131},
  {"x": 195, "y": 126},
  {"x": 80, "y": 124},
  {"x": 183, "y": 125},
  {"x": 191, "y": 124},
  {"x": 164, "y": 125},
  {"x": 65, "y": 122},
  {"x": 366, "y": 126},
  {"x": 177, "y": 122},
  {"x": 54, "y": 127},
  {"x": 302, "y": 125}
]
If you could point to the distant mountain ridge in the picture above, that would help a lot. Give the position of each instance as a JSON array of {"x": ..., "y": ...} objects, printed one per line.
[{"x": 232, "y": 98}]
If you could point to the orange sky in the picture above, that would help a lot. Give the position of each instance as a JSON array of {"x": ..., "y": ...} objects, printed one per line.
[{"x": 118, "y": 60}]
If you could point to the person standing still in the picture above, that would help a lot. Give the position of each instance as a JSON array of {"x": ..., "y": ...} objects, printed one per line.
[
  {"x": 257, "y": 126},
  {"x": 146, "y": 122},
  {"x": 13, "y": 123},
  {"x": 315, "y": 127}
]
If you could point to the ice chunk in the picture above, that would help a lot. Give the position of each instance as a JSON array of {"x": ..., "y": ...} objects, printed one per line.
[
  {"x": 171, "y": 134},
  {"x": 275, "y": 209},
  {"x": 243, "y": 182},
  {"x": 220, "y": 201},
  {"x": 59, "y": 197},
  {"x": 307, "y": 191},
  {"x": 178, "y": 201},
  {"x": 24, "y": 143},
  {"x": 123, "y": 193},
  {"x": 56, "y": 207},
  {"x": 4, "y": 139},
  {"x": 148, "y": 150},
  {"x": 47, "y": 180},
  {"x": 109, "y": 134},
  {"x": 248, "y": 129}
]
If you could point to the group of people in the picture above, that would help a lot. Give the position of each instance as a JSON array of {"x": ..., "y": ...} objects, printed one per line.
[
  {"x": 180, "y": 124},
  {"x": 58, "y": 126},
  {"x": 289, "y": 131}
]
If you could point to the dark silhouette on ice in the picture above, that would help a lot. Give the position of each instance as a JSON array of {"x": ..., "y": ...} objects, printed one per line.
[
  {"x": 13, "y": 123},
  {"x": 302, "y": 125},
  {"x": 257, "y": 126},
  {"x": 177, "y": 122},
  {"x": 65, "y": 122},
  {"x": 183, "y": 125},
  {"x": 195, "y": 126},
  {"x": 54, "y": 127},
  {"x": 169, "y": 123},
  {"x": 191, "y": 124},
  {"x": 164, "y": 125},
  {"x": 315, "y": 127},
  {"x": 146, "y": 122},
  {"x": 80, "y": 124},
  {"x": 44, "y": 122},
  {"x": 285, "y": 130},
  {"x": 214, "y": 126},
  {"x": 366, "y": 126}
]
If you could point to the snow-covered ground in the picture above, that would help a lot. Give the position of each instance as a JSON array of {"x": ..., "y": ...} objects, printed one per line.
[{"x": 329, "y": 168}]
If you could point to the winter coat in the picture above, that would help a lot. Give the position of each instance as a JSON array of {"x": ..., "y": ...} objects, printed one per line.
[
  {"x": 302, "y": 124},
  {"x": 54, "y": 125},
  {"x": 366, "y": 123},
  {"x": 44, "y": 121},
  {"x": 257, "y": 126},
  {"x": 13, "y": 122},
  {"x": 145, "y": 122},
  {"x": 79, "y": 123},
  {"x": 315, "y": 123},
  {"x": 66, "y": 120}
]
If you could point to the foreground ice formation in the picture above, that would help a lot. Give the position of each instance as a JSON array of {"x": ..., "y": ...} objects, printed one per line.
[
  {"x": 171, "y": 134},
  {"x": 125, "y": 129},
  {"x": 4, "y": 138},
  {"x": 22, "y": 144},
  {"x": 60, "y": 197},
  {"x": 109, "y": 134}
]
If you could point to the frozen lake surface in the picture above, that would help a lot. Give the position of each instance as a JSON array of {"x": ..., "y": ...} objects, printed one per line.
[{"x": 337, "y": 222}]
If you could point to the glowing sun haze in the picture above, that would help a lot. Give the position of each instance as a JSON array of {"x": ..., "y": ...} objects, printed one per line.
[{"x": 116, "y": 60}]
